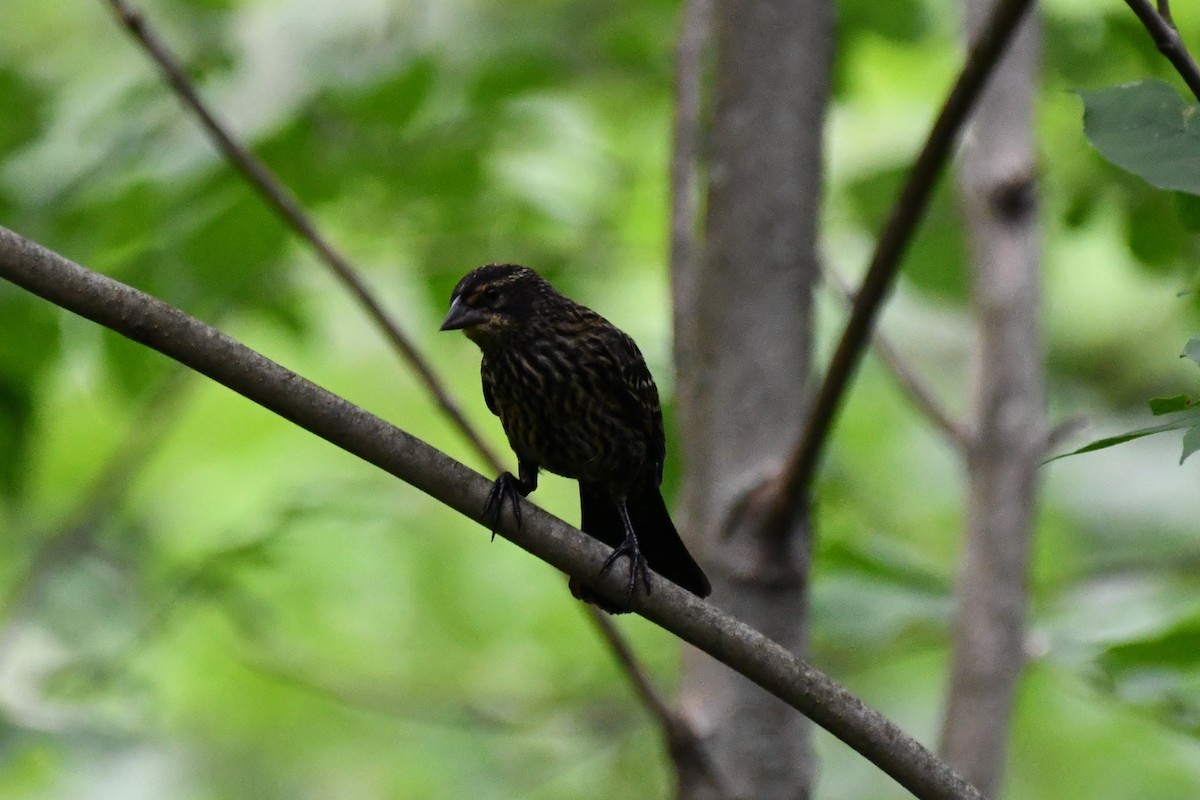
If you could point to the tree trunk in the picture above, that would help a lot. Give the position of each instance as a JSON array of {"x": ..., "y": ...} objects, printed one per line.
[
  {"x": 1007, "y": 436},
  {"x": 743, "y": 349}
]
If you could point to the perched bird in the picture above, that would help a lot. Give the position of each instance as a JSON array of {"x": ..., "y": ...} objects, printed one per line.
[{"x": 575, "y": 397}]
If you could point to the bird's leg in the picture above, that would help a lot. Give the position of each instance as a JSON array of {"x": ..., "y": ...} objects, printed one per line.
[
  {"x": 509, "y": 488},
  {"x": 629, "y": 548}
]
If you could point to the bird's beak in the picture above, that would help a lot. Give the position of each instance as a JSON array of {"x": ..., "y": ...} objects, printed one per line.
[{"x": 461, "y": 316}]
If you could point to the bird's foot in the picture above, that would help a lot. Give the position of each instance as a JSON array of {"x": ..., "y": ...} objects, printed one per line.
[
  {"x": 637, "y": 565},
  {"x": 507, "y": 489}
]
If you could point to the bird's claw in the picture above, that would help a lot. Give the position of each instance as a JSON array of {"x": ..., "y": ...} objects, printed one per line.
[
  {"x": 637, "y": 566},
  {"x": 507, "y": 488}
]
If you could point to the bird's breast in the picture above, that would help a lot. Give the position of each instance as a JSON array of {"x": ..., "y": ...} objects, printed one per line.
[{"x": 561, "y": 409}]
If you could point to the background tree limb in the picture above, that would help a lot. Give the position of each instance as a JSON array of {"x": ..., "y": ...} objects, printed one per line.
[
  {"x": 743, "y": 311},
  {"x": 1007, "y": 435}
]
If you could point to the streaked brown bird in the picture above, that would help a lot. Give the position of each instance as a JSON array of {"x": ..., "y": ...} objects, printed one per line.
[{"x": 575, "y": 397}]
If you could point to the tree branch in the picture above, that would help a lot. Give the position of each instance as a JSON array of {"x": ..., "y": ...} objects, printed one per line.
[
  {"x": 677, "y": 734},
  {"x": 793, "y": 486},
  {"x": 370, "y": 700},
  {"x": 168, "y": 330},
  {"x": 1164, "y": 11},
  {"x": 1162, "y": 30},
  {"x": 682, "y": 742},
  {"x": 914, "y": 387},
  {"x": 997, "y": 185},
  {"x": 277, "y": 197}
]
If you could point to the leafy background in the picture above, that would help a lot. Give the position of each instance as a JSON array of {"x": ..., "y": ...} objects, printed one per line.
[{"x": 198, "y": 600}]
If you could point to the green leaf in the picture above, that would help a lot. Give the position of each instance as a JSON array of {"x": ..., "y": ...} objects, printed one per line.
[
  {"x": 1175, "y": 647},
  {"x": 1187, "y": 211},
  {"x": 1191, "y": 443},
  {"x": 1157, "y": 673},
  {"x": 1148, "y": 129},
  {"x": 1156, "y": 236},
  {"x": 1188, "y": 419},
  {"x": 1192, "y": 350},
  {"x": 1169, "y": 405}
]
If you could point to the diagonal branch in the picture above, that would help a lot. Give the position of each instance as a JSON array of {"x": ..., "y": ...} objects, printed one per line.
[
  {"x": 790, "y": 493},
  {"x": 277, "y": 196},
  {"x": 1162, "y": 29},
  {"x": 684, "y": 745},
  {"x": 914, "y": 387},
  {"x": 1164, "y": 11},
  {"x": 285, "y": 204},
  {"x": 168, "y": 330}
]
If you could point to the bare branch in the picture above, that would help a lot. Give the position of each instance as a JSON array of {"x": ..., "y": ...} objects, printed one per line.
[
  {"x": 1164, "y": 11},
  {"x": 792, "y": 489},
  {"x": 371, "y": 699},
  {"x": 997, "y": 184},
  {"x": 277, "y": 196},
  {"x": 1162, "y": 30},
  {"x": 682, "y": 742},
  {"x": 912, "y": 384},
  {"x": 168, "y": 330}
]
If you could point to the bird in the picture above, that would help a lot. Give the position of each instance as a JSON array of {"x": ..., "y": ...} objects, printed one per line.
[{"x": 575, "y": 397}]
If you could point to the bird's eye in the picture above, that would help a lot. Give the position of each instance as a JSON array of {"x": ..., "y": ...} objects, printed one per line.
[{"x": 491, "y": 294}]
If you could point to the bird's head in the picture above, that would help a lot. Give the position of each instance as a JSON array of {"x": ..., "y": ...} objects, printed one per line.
[{"x": 494, "y": 300}]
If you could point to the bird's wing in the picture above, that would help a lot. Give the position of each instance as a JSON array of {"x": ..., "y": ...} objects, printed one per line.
[
  {"x": 641, "y": 398},
  {"x": 489, "y": 396}
]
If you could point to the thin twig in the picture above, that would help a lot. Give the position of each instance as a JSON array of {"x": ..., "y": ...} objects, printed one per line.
[
  {"x": 1062, "y": 431},
  {"x": 1162, "y": 30},
  {"x": 681, "y": 739},
  {"x": 624, "y": 653},
  {"x": 170, "y": 331},
  {"x": 791, "y": 490},
  {"x": 371, "y": 700},
  {"x": 998, "y": 188},
  {"x": 1164, "y": 11},
  {"x": 912, "y": 384},
  {"x": 278, "y": 197}
]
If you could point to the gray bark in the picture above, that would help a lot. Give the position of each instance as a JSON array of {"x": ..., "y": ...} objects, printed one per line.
[
  {"x": 743, "y": 348},
  {"x": 1007, "y": 435}
]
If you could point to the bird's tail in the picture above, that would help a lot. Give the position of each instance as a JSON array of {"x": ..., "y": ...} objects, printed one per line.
[{"x": 657, "y": 538}]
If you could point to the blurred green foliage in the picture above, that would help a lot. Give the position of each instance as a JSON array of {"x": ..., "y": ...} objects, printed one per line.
[{"x": 199, "y": 600}]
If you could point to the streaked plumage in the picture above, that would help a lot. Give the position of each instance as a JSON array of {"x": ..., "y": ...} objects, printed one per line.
[{"x": 575, "y": 397}]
